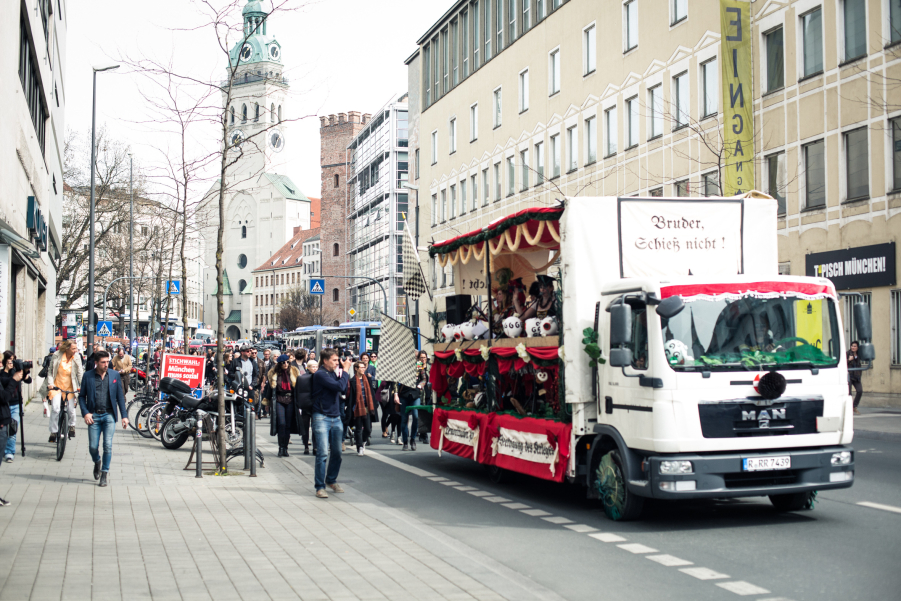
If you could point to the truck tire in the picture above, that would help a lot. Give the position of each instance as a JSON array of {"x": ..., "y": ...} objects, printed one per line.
[
  {"x": 496, "y": 474},
  {"x": 618, "y": 502},
  {"x": 793, "y": 501}
]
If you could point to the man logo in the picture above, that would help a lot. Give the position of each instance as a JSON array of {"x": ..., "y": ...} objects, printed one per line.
[{"x": 767, "y": 415}]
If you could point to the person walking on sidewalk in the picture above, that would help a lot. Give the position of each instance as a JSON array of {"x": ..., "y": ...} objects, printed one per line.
[
  {"x": 854, "y": 376},
  {"x": 65, "y": 373},
  {"x": 304, "y": 399},
  {"x": 122, "y": 364},
  {"x": 101, "y": 400},
  {"x": 329, "y": 383},
  {"x": 285, "y": 412},
  {"x": 362, "y": 396}
]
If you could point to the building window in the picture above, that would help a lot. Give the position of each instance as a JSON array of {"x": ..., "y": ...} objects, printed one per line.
[
  {"x": 895, "y": 311},
  {"x": 539, "y": 163},
  {"x": 894, "y": 21},
  {"x": 497, "y": 182},
  {"x": 474, "y": 188},
  {"x": 855, "y": 17},
  {"x": 453, "y": 202},
  {"x": 511, "y": 21},
  {"x": 539, "y": 10},
  {"x": 443, "y": 206},
  {"x": 453, "y": 53},
  {"x": 524, "y": 91},
  {"x": 476, "y": 40},
  {"x": 256, "y": 112},
  {"x": 812, "y": 32},
  {"x": 815, "y": 174},
  {"x": 426, "y": 72},
  {"x": 682, "y": 188},
  {"x": 591, "y": 141},
  {"x": 243, "y": 113},
  {"x": 683, "y": 99},
  {"x": 572, "y": 153},
  {"x": 452, "y": 134},
  {"x": 242, "y": 261},
  {"x": 434, "y": 209},
  {"x": 463, "y": 197},
  {"x": 416, "y": 162},
  {"x": 555, "y": 156},
  {"x": 524, "y": 170},
  {"x": 656, "y": 192},
  {"x": 243, "y": 231},
  {"x": 711, "y": 87},
  {"x": 497, "y": 107},
  {"x": 511, "y": 176},
  {"x": 610, "y": 118},
  {"x": 554, "y": 72},
  {"x": 857, "y": 163},
  {"x": 499, "y": 25},
  {"x": 335, "y": 296},
  {"x": 337, "y": 180},
  {"x": 279, "y": 113},
  {"x": 630, "y": 24},
  {"x": 232, "y": 115},
  {"x": 850, "y": 325},
  {"x": 474, "y": 122},
  {"x": 434, "y": 147},
  {"x": 711, "y": 184},
  {"x": 526, "y": 16},
  {"x": 896, "y": 152},
  {"x": 775, "y": 168},
  {"x": 775, "y": 60},
  {"x": 336, "y": 250},
  {"x": 680, "y": 10},
  {"x": 655, "y": 101},
  {"x": 272, "y": 113},
  {"x": 634, "y": 119},
  {"x": 487, "y": 22},
  {"x": 445, "y": 62},
  {"x": 486, "y": 187},
  {"x": 29, "y": 76},
  {"x": 436, "y": 66},
  {"x": 589, "y": 49}
]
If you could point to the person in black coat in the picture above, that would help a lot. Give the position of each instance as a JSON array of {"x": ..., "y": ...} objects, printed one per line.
[
  {"x": 8, "y": 397},
  {"x": 304, "y": 401},
  {"x": 285, "y": 420}
]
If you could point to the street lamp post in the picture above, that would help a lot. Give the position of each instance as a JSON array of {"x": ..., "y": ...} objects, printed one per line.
[
  {"x": 131, "y": 254},
  {"x": 92, "y": 325}
]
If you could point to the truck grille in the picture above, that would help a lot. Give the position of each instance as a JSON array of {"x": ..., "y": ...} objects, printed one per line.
[
  {"x": 758, "y": 479},
  {"x": 736, "y": 418}
]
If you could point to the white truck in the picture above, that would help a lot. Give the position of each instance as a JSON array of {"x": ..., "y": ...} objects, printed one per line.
[{"x": 718, "y": 377}]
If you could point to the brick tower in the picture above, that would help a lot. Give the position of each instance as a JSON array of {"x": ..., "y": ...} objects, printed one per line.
[{"x": 335, "y": 133}]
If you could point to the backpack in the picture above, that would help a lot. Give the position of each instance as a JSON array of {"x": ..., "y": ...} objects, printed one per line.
[{"x": 46, "y": 367}]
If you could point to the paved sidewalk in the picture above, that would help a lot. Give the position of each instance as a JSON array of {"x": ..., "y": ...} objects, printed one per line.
[
  {"x": 878, "y": 423},
  {"x": 158, "y": 533}
]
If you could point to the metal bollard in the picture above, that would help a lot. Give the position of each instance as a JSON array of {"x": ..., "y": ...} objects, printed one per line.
[
  {"x": 198, "y": 443},
  {"x": 248, "y": 415},
  {"x": 253, "y": 448}
]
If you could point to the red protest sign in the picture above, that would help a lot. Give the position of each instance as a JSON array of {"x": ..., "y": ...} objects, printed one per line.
[{"x": 187, "y": 368}]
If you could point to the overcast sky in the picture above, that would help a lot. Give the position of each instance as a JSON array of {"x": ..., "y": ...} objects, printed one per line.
[{"x": 340, "y": 55}]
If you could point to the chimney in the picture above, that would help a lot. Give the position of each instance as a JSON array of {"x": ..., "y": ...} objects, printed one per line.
[
  {"x": 297, "y": 229},
  {"x": 323, "y": 121},
  {"x": 353, "y": 116},
  {"x": 366, "y": 118},
  {"x": 342, "y": 117},
  {"x": 332, "y": 119}
]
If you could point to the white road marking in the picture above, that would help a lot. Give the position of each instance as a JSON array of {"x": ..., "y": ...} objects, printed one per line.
[
  {"x": 478, "y": 493},
  {"x": 437, "y": 479},
  {"x": 497, "y": 499},
  {"x": 451, "y": 483},
  {"x": 537, "y": 513},
  {"x": 880, "y": 506},
  {"x": 399, "y": 464},
  {"x": 581, "y": 528},
  {"x": 466, "y": 488},
  {"x": 606, "y": 537},
  {"x": 515, "y": 506},
  {"x": 703, "y": 573},
  {"x": 740, "y": 587},
  {"x": 557, "y": 520},
  {"x": 668, "y": 560},
  {"x": 637, "y": 548}
]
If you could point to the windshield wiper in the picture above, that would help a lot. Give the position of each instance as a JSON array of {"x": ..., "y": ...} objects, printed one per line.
[{"x": 814, "y": 369}]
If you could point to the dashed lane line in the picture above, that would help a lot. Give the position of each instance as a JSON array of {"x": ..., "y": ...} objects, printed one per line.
[
  {"x": 478, "y": 493},
  {"x": 451, "y": 483},
  {"x": 581, "y": 528},
  {"x": 607, "y": 537},
  {"x": 703, "y": 573},
  {"x": 497, "y": 499},
  {"x": 515, "y": 506},
  {"x": 668, "y": 560},
  {"x": 465, "y": 488},
  {"x": 637, "y": 548},
  {"x": 535, "y": 513},
  {"x": 880, "y": 506},
  {"x": 740, "y": 587},
  {"x": 556, "y": 519}
]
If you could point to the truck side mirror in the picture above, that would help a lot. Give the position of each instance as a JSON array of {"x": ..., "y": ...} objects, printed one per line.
[
  {"x": 620, "y": 325},
  {"x": 866, "y": 351},
  {"x": 862, "y": 321},
  {"x": 620, "y": 357},
  {"x": 670, "y": 307}
]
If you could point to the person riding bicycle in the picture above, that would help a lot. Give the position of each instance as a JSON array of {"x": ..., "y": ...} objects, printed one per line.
[
  {"x": 66, "y": 373},
  {"x": 122, "y": 364}
]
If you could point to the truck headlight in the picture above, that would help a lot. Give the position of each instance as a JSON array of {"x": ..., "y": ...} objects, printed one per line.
[
  {"x": 682, "y": 467},
  {"x": 842, "y": 458}
]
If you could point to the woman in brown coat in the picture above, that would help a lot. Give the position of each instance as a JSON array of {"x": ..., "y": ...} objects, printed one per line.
[
  {"x": 285, "y": 419},
  {"x": 362, "y": 403}
]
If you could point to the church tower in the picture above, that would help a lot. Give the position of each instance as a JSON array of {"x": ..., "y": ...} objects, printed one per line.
[{"x": 258, "y": 96}]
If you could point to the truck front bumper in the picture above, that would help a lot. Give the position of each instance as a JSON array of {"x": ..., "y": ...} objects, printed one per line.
[{"x": 723, "y": 475}]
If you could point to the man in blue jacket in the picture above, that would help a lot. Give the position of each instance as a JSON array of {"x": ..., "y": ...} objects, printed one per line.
[
  {"x": 101, "y": 398},
  {"x": 329, "y": 384}
]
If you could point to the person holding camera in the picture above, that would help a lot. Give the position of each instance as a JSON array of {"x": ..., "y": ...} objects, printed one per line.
[
  {"x": 8, "y": 397},
  {"x": 15, "y": 404},
  {"x": 329, "y": 384},
  {"x": 65, "y": 373}
]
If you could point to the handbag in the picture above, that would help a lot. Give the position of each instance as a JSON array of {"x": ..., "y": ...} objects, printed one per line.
[{"x": 13, "y": 427}]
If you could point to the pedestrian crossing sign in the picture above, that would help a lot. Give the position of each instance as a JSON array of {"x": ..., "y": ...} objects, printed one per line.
[
  {"x": 317, "y": 286},
  {"x": 173, "y": 286},
  {"x": 105, "y": 328}
]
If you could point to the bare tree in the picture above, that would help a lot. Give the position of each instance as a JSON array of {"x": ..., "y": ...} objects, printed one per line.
[{"x": 301, "y": 309}]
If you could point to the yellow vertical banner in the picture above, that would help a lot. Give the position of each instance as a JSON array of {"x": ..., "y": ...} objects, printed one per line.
[{"x": 738, "y": 114}]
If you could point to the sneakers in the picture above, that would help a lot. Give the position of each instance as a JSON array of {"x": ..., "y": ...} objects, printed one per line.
[
  {"x": 71, "y": 433},
  {"x": 405, "y": 447},
  {"x": 3, "y": 502},
  {"x": 321, "y": 494},
  {"x": 361, "y": 451},
  {"x": 52, "y": 438},
  {"x": 335, "y": 487},
  {"x": 103, "y": 479},
  {"x": 97, "y": 470},
  {"x": 412, "y": 444},
  {"x": 8, "y": 459}
]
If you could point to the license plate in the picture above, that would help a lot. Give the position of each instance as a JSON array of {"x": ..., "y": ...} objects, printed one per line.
[{"x": 760, "y": 464}]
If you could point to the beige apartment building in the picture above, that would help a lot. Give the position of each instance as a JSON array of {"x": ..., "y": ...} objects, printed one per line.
[{"x": 519, "y": 103}]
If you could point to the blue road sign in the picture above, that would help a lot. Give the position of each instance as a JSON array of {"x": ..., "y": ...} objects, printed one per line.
[
  {"x": 104, "y": 328},
  {"x": 197, "y": 393},
  {"x": 317, "y": 286},
  {"x": 173, "y": 286}
]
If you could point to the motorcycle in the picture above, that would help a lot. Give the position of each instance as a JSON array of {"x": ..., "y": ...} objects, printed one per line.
[{"x": 182, "y": 423}]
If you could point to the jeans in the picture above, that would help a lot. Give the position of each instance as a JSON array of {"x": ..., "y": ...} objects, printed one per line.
[
  {"x": 105, "y": 424},
  {"x": 11, "y": 441},
  {"x": 327, "y": 436},
  {"x": 55, "y": 403},
  {"x": 405, "y": 416},
  {"x": 858, "y": 390},
  {"x": 284, "y": 416}
]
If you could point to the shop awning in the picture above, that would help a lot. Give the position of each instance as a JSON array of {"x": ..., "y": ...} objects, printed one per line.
[
  {"x": 526, "y": 231},
  {"x": 234, "y": 316}
]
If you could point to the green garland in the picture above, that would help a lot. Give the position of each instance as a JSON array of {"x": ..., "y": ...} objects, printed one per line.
[{"x": 500, "y": 228}]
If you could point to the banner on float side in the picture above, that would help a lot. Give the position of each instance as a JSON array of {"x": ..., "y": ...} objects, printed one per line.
[{"x": 738, "y": 114}]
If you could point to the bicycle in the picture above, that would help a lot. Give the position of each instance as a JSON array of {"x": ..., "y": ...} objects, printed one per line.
[{"x": 63, "y": 424}]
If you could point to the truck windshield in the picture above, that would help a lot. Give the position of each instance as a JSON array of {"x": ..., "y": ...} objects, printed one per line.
[{"x": 751, "y": 333}]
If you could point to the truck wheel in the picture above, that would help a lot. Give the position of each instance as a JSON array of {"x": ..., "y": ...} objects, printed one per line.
[
  {"x": 619, "y": 504},
  {"x": 794, "y": 501},
  {"x": 496, "y": 474}
]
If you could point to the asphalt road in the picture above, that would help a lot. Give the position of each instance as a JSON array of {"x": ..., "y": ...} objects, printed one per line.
[{"x": 688, "y": 550}]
